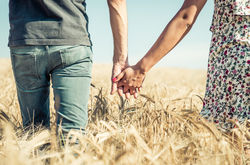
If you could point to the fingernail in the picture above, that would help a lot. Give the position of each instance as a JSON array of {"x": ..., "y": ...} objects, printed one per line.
[{"x": 114, "y": 79}]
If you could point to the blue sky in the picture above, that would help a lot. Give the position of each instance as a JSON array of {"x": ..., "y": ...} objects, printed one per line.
[{"x": 147, "y": 19}]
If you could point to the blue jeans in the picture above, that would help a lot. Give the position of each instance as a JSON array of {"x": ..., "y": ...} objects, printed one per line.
[{"x": 69, "y": 70}]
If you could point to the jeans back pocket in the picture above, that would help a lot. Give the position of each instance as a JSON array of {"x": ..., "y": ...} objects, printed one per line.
[{"x": 25, "y": 69}]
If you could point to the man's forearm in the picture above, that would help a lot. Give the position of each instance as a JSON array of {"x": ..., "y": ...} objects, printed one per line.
[{"x": 119, "y": 25}]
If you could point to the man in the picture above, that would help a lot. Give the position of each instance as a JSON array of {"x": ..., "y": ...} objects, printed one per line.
[{"x": 49, "y": 42}]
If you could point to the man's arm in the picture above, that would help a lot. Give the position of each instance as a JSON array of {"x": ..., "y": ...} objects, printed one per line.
[{"x": 119, "y": 25}]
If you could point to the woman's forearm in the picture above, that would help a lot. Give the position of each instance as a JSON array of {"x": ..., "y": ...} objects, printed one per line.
[{"x": 173, "y": 33}]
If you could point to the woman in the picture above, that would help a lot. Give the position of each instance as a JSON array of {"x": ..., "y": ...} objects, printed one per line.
[{"x": 227, "y": 89}]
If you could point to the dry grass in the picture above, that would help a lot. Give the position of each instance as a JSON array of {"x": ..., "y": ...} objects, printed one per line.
[{"x": 161, "y": 127}]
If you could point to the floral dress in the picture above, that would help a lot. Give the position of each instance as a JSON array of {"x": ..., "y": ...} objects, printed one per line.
[{"x": 228, "y": 79}]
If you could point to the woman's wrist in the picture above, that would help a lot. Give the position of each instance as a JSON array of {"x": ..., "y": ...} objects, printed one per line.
[{"x": 142, "y": 67}]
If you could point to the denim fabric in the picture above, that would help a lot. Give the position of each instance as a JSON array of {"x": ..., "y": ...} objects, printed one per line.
[{"x": 68, "y": 68}]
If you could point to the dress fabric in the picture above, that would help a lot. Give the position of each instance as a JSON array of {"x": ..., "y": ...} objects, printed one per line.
[{"x": 226, "y": 98}]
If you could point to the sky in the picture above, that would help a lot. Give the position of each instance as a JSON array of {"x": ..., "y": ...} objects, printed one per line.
[{"x": 146, "y": 20}]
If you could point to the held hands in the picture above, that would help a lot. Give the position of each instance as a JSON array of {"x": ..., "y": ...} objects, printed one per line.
[{"x": 130, "y": 80}]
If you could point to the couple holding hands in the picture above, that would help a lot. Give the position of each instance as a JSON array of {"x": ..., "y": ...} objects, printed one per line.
[
  {"x": 227, "y": 89},
  {"x": 49, "y": 43}
]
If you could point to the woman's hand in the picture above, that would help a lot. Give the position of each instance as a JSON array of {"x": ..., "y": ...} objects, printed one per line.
[{"x": 130, "y": 79}]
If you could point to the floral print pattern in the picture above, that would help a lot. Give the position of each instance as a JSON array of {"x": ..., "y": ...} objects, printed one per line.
[
  {"x": 238, "y": 7},
  {"x": 228, "y": 80},
  {"x": 241, "y": 7}
]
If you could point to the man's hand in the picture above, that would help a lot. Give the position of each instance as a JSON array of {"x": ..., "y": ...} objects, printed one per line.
[
  {"x": 116, "y": 70},
  {"x": 131, "y": 79}
]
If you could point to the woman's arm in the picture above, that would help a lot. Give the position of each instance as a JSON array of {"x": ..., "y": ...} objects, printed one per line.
[{"x": 173, "y": 33}]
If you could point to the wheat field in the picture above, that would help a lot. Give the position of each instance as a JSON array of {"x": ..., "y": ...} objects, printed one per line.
[{"x": 162, "y": 126}]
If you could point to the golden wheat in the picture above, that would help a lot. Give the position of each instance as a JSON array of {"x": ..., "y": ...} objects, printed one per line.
[{"x": 162, "y": 126}]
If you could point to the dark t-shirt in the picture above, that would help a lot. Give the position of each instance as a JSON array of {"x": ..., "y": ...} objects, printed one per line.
[{"x": 48, "y": 22}]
